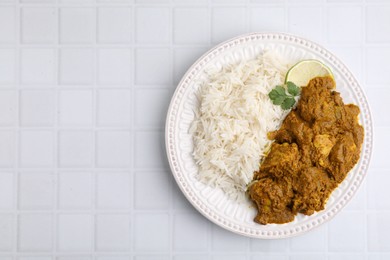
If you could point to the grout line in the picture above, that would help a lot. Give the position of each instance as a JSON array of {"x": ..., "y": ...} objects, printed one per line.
[
  {"x": 132, "y": 136},
  {"x": 94, "y": 175},
  {"x": 18, "y": 11}
]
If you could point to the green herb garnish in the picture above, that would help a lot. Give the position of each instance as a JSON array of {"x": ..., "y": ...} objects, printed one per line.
[{"x": 286, "y": 100}]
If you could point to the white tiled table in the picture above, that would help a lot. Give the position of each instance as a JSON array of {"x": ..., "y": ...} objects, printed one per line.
[{"x": 84, "y": 88}]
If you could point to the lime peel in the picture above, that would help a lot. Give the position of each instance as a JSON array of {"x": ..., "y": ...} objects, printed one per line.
[{"x": 302, "y": 72}]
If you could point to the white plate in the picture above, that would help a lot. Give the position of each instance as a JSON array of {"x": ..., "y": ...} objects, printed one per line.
[{"x": 212, "y": 203}]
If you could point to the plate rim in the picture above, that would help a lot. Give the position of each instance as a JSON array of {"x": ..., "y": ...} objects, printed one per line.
[{"x": 301, "y": 41}]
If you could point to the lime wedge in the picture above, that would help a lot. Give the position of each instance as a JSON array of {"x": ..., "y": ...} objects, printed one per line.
[{"x": 302, "y": 72}]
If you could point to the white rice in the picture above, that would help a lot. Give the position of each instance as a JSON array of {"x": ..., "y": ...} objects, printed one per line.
[{"x": 232, "y": 121}]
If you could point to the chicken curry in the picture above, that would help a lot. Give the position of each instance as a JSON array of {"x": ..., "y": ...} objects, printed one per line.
[{"x": 318, "y": 143}]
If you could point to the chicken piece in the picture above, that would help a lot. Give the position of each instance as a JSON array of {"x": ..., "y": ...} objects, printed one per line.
[
  {"x": 316, "y": 101},
  {"x": 282, "y": 160},
  {"x": 272, "y": 199},
  {"x": 323, "y": 144},
  {"x": 342, "y": 157},
  {"x": 312, "y": 189}
]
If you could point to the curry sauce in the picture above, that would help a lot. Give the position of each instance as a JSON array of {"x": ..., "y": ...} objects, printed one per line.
[{"x": 318, "y": 143}]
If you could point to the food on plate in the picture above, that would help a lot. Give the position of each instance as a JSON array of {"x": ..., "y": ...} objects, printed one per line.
[
  {"x": 318, "y": 143},
  {"x": 232, "y": 119},
  {"x": 286, "y": 147}
]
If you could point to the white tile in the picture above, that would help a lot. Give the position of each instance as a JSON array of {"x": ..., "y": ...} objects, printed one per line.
[
  {"x": 190, "y": 223},
  {"x": 193, "y": 256},
  {"x": 151, "y": 107},
  {"x": 378, "y": 232},
  {"x": 37, "y": 257},
  {"x": 77, "y": 66},
  {"x": 8, "y": 107},
  {"x": 114, "y": 25},
  {"x": 378, "y": 190},
  {"x": 77, "y": 25},
  {"x": 38, "y": 25},
  {"x": 115, "y": 66},
  {"x": 375, "y": 95},
  {"x": 29, "y": 226},
  {"x": 76, "y": 148},
  {"x": 346, "y": 257},
  {"x": 37, "y": 1},
  {"x": 74, "y": 258},
  {"x": 75, "y": 190},
  {"x": 377, "y": 17},
  {"x": 113, "y": 148},
  {"x": 379, "y": 256},
  {"x": 6, "y": 258},
  {"x": 7, "y": 232},
  {"x": 38, "y": 66},
  {"x": 77, "y": 1},
  {"x": 7, "y": 25},
  {"x": 308, "y": 257},
  {"x": 7, "y": 148},
  {"x": 75, "y": 232},
  {"x": 270, "y": 257},
  {"x": 36, "y": 190},
  {"x": 150, "y": 150},
  {"x": 112, "y": 232},
  {"x": 376, "y": 65},
  {"x": 152, "y": 1},
  {"x": 37, "y": 107},
  {"x": 230, "y": 257},
  {"x": 345, "y": 1},
  {"x": 381, "y": 144},
  {"x": 304, "y": 1},
  {"x": 345, "y": 24},
  {"x": 102, "y": 257},
  {"x": 159, "y": 186},
  {"x": 307, "y": 22},
  {"x": 151, "y": 232},
  {"x": 191, "y": 25},
  {"x": 223, "y": 26},
  {"x": 225, "y": 241},
  {"x": 75, "y": 108},
  {"x": 115, "y": 1},
  {"x": 263, "y": 19},
  {"x": 8, "y": 66},
  {"x": 113, "y": 190},
  {"x": 347, "y": 232},
  {"x": 152, "y": 257},
  {"x": 36, "y": 148},
  {"x": 156, "y": 30},
  {"x": 153, "y": 66},
  {"x": 183, "y": 58},
  {"x": 266, "y": 245},
  {"x": 229, "y": 1},
  {"x": 6, "y": 190},
  {"x": 114, "y": 107},
  {"x": 312, "y": 241}
]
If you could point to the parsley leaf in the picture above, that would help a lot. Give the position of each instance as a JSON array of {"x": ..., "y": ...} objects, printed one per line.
[
  {"x": 293, "y": 89},
  {"x": 280, "y": 90},
  {"x": 279, "y": 96},
  {"x": 279, "y": 100},
  {"x": 288, "y": 103}
]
